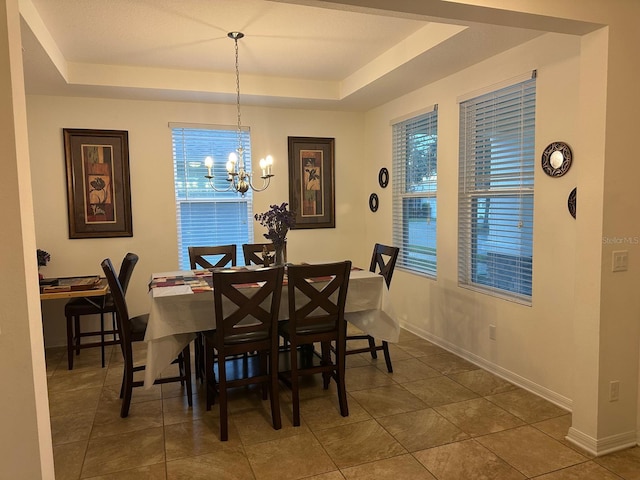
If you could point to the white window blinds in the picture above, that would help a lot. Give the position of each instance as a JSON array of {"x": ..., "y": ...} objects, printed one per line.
[
  {"x": 415, "y": 182},
  {"x": 206, "y": 217},
  {"x": 497, "y": 133}
]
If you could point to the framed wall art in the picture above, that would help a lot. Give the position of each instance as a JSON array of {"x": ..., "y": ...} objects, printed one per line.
[
  {"x": 98, "y": 188},
  {"x": 312, "y": 182}
]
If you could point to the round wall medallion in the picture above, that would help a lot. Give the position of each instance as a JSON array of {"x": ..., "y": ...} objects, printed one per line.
[
  {"x": 571, "y": 202},
  {"x": 383, "y": 177},
  {"x": 373, "y": 202},
  {"x": 556, "y": 159}
]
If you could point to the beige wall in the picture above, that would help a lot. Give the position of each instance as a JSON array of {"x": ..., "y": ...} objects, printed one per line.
[
  {"x": 153, "y": 201},
  {"x": 531, "y": 341}
]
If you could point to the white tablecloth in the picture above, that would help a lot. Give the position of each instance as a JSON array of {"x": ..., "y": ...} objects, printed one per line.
[{"x": 177, "y": 314}]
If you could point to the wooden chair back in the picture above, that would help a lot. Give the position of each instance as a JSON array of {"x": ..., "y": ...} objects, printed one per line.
[
  {"x": 225, "y": 255},
  {"x": 253, "y": 252},
  {"x": 384, "y": 258}
]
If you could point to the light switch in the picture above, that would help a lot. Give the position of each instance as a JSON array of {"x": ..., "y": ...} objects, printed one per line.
[{"x": 620, "y": 261}]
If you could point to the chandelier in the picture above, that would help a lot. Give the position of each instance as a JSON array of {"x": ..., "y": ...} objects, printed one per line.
[{"x": 240, "y": 180}]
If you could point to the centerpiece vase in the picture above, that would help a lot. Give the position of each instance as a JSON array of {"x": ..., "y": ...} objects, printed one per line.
[{"x": 281, "y": 253}]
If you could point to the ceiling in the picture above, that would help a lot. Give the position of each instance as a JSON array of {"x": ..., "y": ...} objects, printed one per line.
[{"x": 292, "y": 55}]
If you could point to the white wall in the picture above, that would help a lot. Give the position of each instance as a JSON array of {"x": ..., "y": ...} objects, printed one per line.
[
  {"x": 531, "y": 341},
  {"x": 153, "y": 205}
]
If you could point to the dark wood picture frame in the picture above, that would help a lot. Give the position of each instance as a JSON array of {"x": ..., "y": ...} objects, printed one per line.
[
  {"x": 98, "y": 187},
  {"x": 312, "y": 181}
]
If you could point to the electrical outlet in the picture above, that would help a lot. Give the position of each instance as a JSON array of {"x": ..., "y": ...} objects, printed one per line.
[
  {"x": 614, "y": 391},
  {"x": 620, "y": 261},
  {"x": 492, "y": 332}
]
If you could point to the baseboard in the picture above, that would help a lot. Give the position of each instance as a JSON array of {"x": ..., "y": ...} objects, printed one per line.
[
  {"x": 602, "y": 446},
  {"x": 554, "y": 397}
]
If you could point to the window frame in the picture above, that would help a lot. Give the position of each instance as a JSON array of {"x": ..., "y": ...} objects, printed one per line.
[
  {"x": 497, "y": 162},
  {"x": 415, "y": 200},
  {"x": 191, "y": 144}
]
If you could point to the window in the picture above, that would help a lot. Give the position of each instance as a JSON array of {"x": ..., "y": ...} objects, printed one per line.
[
  {"x": 496, "y": 191},
  {"x": 204, "y": 216},
  {"x": 415, "y": 143}
]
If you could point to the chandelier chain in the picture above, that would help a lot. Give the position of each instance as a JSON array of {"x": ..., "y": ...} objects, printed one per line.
[{"x": 238, "y": 98}]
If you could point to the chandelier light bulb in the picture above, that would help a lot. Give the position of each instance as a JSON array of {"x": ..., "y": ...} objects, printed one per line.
[{"x": 208, "y": 162}]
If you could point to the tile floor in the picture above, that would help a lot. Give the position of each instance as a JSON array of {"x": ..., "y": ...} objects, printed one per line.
[{"x": 436, "y": 417}]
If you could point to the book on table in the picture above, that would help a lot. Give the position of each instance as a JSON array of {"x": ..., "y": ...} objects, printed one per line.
[{"x": 71, "y": 284}]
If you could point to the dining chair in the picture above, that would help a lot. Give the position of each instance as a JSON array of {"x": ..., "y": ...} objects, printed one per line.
[
  {"x": 132, "y": 329},
  {"x": 317, "y": 296},
  {"x": 215, "y": 256},
  {"x": 246, "y": 322},
  {"x": 220, "y": 255},
  {"x": 253, "y": 252},
  {"x": 384, "y": 260},
  {"x": 79, "y": 307}
]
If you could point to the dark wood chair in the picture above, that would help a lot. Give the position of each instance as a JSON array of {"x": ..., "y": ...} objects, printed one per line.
[
  {"x": 317, "y": 296},
  {"x": 215, "y": 256},
  {"x": 132, "y": 330},
  {"x": 220, "y": 255},
  {"x": 253, "y": 252},
  {"x": 384, "y": 260},
  {"x": 79, "y": 307},
  {"x": 244, "y": 324}
]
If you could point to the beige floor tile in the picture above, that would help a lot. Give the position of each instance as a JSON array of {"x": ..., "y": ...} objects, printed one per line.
[
  {"x": 124, "y": 452},
  {"x": 400, "y": 467},
  {"x": 73, "y": 427},
  {"x": 83, "y": 400},
  {"x": 177, "y": 409},
  {"x": 439, "y": 391},
  {"x": 407, "y": 336},
  {"x": 149, "y": 472},
  {"x": 482, "y": 382},
  {"x": 335, "y": 475},
  {"x": 111, "y": 392},
  {"x": 466, "y": 460},
  {"x": 68, "y": 380},
  {"x": 196, "y": 438},
  {"x": 478, "y": 416},
  {"x": 229, "y": 462},
  {"x": 625, "y": 463},
  {"x": 420, "y": 348},
  {"x": 68, "y": 459},
  {"x": 526, "y": 405},
  {"x": 409, "y": 370},
  {"x": 141, "y": 416},
  {"x": 448, "y": 363},
  {"x": 256, "y": 425},
  {"x": 289, "y": 458},
  {"x": 368, "y": 442},
  {"x": 361, "y": 378},
  {"x": 320, "y": 413},
  {"x": 388, "y": 400},
  {"x": 582, "y": 471},
  {"x": 422, "y": 429},
  {"x": 558, "y": 428},
  {"x": 531, "y": 451}
]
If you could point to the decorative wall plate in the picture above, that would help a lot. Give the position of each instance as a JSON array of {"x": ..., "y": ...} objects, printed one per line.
[
  {"x": 556, "y": 159},
  {"x": 571, "y": 202},
  {"x": 374, "y": 203},
  {"x": 383, "y": 177}
]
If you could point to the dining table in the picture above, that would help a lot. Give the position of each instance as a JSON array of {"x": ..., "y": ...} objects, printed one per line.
[{"x": 182, "y": 305}]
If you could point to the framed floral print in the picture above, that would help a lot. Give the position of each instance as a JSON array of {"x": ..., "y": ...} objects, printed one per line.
[
  {"x": 98, "y": 188},
  {"x": 311, "y": 181}
]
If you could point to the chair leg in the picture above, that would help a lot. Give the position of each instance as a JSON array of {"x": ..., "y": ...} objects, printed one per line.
[
  {"x": 70, "y": 342},
  {"x": 387, "y": 357},
  {"x": 222, "y": 400},
  {"x": 186, "y": 354},
  {"x": 210, "y": 381},
  {"x": 295, "y": 393},
  {"x": 372, "y": 347},
  {"x": 127, "y": 389},
  {"x": 77, "y": 333},
  {"x": 274, "y": 391},
  {"x": 342, "y": 390}
]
